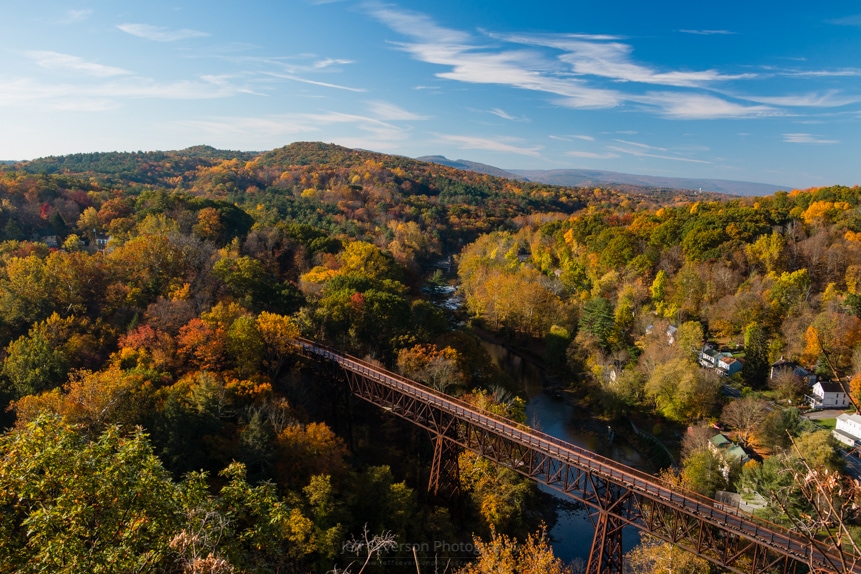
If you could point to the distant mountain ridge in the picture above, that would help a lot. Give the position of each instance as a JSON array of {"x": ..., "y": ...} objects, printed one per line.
[
  {"x": 594, "y": 177},
  {"x": 586, "y": 177},
  {"x": 470, "y": 166}
]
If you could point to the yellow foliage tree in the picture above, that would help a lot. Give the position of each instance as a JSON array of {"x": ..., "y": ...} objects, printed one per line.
[
  {"x": 504, "y": 555},
  {"x": 93, "y": 400},
  {"x": 656, "y": 557},
  {"x": 304, "y": 451},
  {"x": 279, "y": 337},
  {"x": 823, "y": 211}
]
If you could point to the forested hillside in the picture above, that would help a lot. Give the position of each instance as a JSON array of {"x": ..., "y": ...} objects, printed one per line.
[{"x": 160, "y": 422}]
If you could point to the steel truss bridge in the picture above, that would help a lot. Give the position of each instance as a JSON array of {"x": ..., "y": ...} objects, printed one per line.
[{"x": 615, "y": 495}]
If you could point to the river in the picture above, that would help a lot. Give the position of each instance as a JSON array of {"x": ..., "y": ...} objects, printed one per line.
[{"x": 571, "y": 536}]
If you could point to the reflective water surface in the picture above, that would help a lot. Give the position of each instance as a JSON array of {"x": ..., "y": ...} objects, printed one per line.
[{"x": 573, "y": 531}]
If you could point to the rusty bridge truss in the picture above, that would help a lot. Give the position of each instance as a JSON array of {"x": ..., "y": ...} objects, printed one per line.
[{"x": 616, "y": 496}]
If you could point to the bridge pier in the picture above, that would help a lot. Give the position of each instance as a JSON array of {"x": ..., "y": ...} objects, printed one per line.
[
  {"x": 605, "y": 557},
  {"x": 445, "y": 472}
]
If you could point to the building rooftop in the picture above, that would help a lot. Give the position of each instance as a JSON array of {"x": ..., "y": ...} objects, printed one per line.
[
  {"x": 720, "y": 441},
  {"x": 735, "y": 452},
  {"x": 831, "y": 387}
]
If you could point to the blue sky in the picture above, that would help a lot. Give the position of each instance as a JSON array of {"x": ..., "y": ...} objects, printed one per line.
[{"x": 760, "y": 91}]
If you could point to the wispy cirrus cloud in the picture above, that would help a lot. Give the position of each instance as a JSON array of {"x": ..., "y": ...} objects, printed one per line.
[
  {"x": 242, "y": 128},
  {"x": 328, "y": 62},
  {"x": 295, "y": 68},
  {"x": 507, "y": 145},
  {"x": 471, "y": 62},
  {"x": 640, "y": 145},
  {"x": 612, "y": 59},
  {"x": 708, "y": 32},
  {"x": 698, "y": 106},
  {"x": 835, "y": 73},
  {"x": 353, "y": 130},
  {"x": 592, "y": 155},
  {"x": 58, "y": 61},
  {"x": 502, "y": 114},
  {"x": 84, "y": 85},
  {"x": 829, "y": 99},
  {"x": 853, "y": 20},
  {"x": 641, "y": 153},
  {"x": 159, "y": 33},
  {"x": 569, "y": 138},
  {"x": 388, "y": 111},
  {"x": 109, "y": 94},
  {"x": 75, "y": 16},
  {"x": 801, "y": 138},
  {"x": 299, "y": 79},
  {"x": 582, "y": 71},
  {"x": 640, "y": 149}
]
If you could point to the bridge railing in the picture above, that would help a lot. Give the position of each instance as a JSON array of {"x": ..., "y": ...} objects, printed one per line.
[{"x": 692, "y": 502}]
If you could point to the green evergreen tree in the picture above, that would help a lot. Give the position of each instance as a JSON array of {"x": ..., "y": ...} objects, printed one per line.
[{"x": 756, "y": 365}]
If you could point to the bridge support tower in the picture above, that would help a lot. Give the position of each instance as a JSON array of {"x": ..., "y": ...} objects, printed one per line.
[
  {"x": 605, "y": 557},
  {"x": 445, "y": 472}
]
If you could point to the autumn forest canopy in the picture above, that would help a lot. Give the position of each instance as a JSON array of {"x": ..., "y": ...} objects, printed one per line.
[{"x": 158, "y": 420}]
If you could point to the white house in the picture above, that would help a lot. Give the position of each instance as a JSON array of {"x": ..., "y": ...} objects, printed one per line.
[
  {"x": 848, "y": 430},
  {"x": 724, "y": 363},
  {"x": 828, "y": 395},
  {"x": 709, "y": 357}
]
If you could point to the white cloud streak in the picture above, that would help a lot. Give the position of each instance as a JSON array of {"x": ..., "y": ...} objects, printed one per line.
[
  {"x": 315, "y": 82},
  {"x": 830, "y": 99},
  {"x": 487, "y": 144},
  {"x": 695, "y": 106},
  {"x": 569, "y": 138},
  {"x": 387, "y": 111},
  {"x": 502, "y": 114},
  {"x": 639, "y": 153},
  {"x": 471, "y": 63},
  {"x": 361, "y": 130},
  {"x": 641, "y": 145},
  {"x": 708, "y": 32},
  {"x": 75, "y": 16},
  {"x": 834, "y": 73},
  {"x": 806, "y": 139},
  {"x": 579, "y": 62},
  {"x": 320, "y": 64},
  {"x": 853, "y": 20},
  {"x": 592, "y": 155},
  {"x": 57, "y": 61},
  {"x": 159, "y": 33},
  {"x": 29, "y": 93},
  {"x": 613, "y": 60}
]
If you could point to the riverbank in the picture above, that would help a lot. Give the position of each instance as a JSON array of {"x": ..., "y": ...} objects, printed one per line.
[{"x": 553, "y": 409}]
